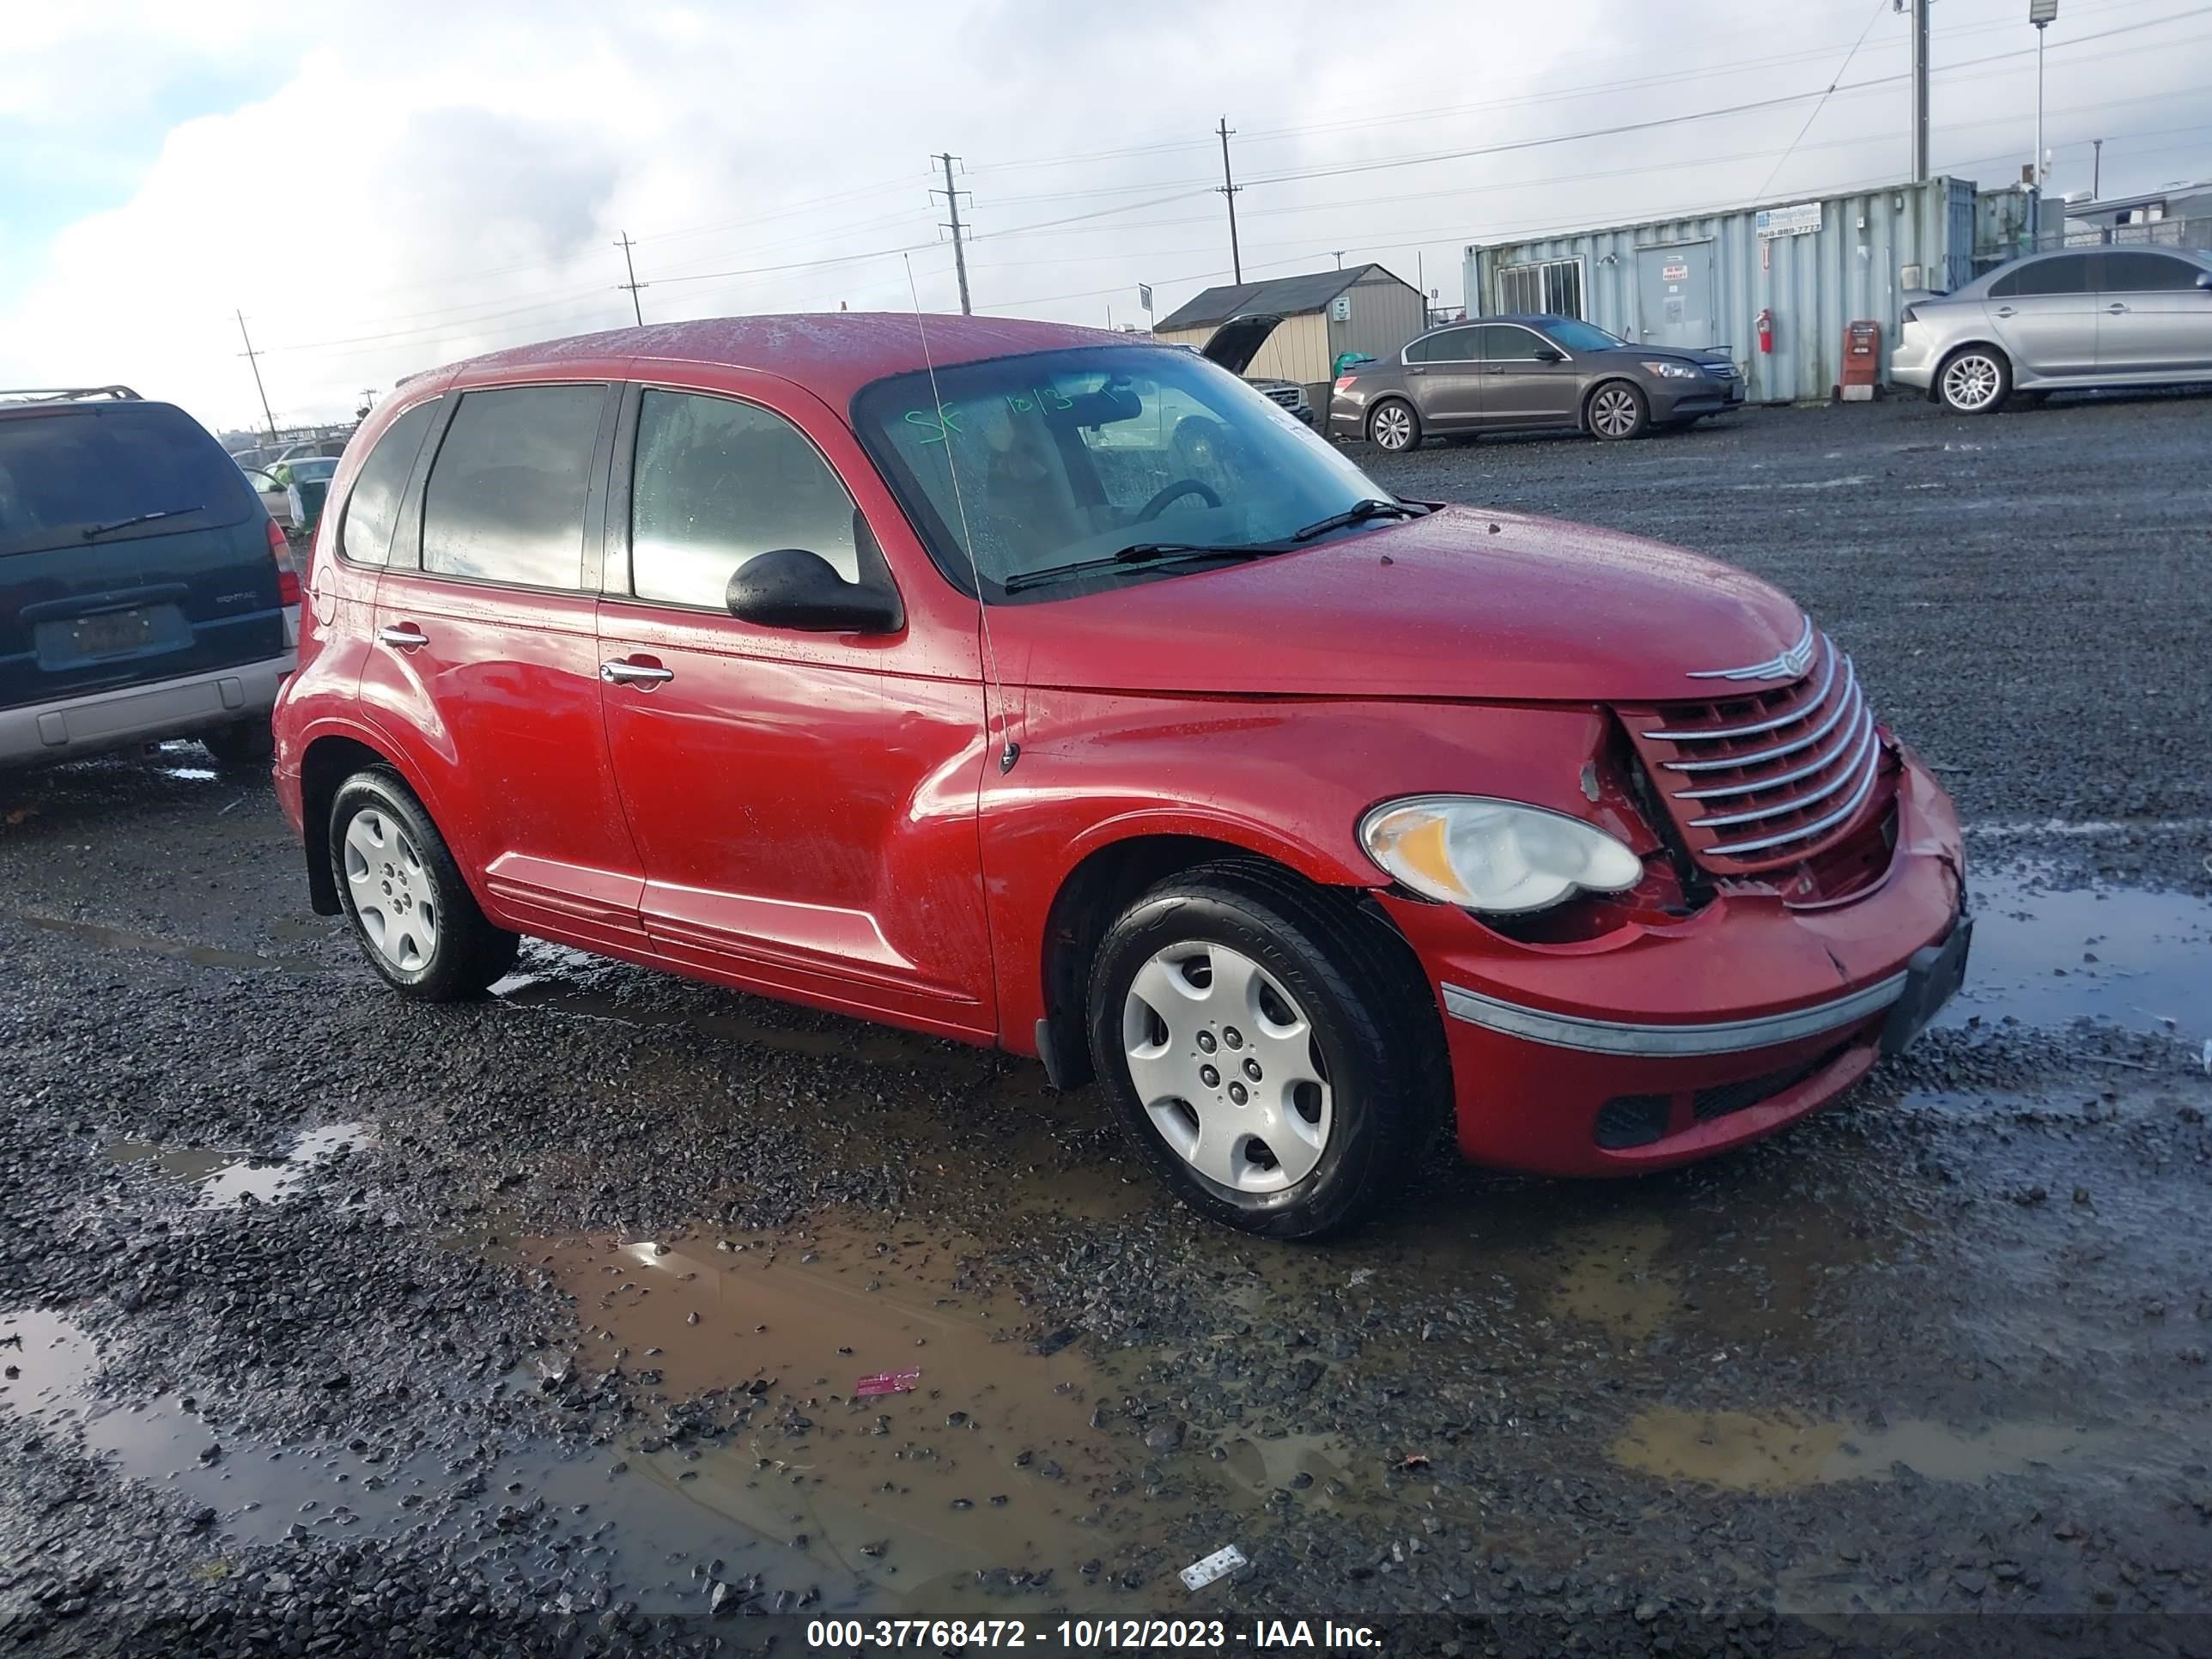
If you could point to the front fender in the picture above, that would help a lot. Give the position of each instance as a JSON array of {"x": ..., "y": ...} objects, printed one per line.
[{"x": 1286, "y": 780}]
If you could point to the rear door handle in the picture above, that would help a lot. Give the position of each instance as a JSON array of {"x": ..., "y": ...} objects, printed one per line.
[
  {"x": 634, "y": 673},
  {"x": 404, "y": 635},
  {"x": 2116, "y": 308}
]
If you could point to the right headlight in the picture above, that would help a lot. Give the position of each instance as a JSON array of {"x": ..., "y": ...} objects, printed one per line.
[{"x": 1497, "y": 856}]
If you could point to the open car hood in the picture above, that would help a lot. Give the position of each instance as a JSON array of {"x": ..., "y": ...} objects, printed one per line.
[{"x": 1237, "y": 342}]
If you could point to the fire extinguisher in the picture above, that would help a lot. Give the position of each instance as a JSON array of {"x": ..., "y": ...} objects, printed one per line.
[{"x": 1766, "y": 331}]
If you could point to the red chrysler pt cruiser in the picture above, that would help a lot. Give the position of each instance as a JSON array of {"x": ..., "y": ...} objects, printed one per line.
[{"x": 1057, "y": 690}]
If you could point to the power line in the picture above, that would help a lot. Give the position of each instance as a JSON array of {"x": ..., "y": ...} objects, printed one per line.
[
  {"x": 1813, "y": 114},
  {"x": 633, "y": 285}
]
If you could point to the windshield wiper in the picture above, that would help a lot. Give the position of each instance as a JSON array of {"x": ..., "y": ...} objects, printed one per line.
[
  {"x": 93, "y": 531},
  {"x": 1140, "y": 553},
  {"x": 1359, "y": 513}
]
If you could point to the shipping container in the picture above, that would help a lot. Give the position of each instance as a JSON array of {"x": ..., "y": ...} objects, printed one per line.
[{"x": 1703, "y": 280}]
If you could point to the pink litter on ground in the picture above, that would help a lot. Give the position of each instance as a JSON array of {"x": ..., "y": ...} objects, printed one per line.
[{"x": 886, "y": 1382}]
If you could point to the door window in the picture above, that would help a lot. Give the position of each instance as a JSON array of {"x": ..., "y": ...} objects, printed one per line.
[
  {"x": 1509, "y": 345},
  {"x": 2147, "y": 273},
  {"x": 373, "y": 507},
  {"x": 2068, "y": 273},
  {"x": 717, "y": 483},
  {"x": 1454, "y": 345},
  {"x": 505, "y": 502}
]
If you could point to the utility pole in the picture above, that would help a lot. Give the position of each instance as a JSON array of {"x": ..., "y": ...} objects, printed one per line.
[
  {"x": 1229, "y": 187},
  {"x": 1919, "y": 92},
  {"x": 253, "y": 357},
  {"x": 2096, "y": 169},
  {"x": 633, "y": 285},
  {"x": 952, "y": 223},
  {"x": 1340, "y": 253}
]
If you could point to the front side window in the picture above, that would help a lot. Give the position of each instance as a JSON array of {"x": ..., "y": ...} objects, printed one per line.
[
  {"x": 1509, "y": 345},
  {"x": 2147, "y": 273},
  {"x": 2068, "y": 273},
  {"x": 373, "y": 507},
  {"x": 717, "y": 483},
  {"x": 1056, "y": 458},
  {"x": 505, "y": 502}
]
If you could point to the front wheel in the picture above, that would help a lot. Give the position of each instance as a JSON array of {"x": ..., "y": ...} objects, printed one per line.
[
  {"x": 1975, "y": 381},
  {"x": 1618, "y": 412},
  {"x": 1393, "y": 426},
  {"x": 418, "y": 922},
  {"x": 1271, "y": 1050}
]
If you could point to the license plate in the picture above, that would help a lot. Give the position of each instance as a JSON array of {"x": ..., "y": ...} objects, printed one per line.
[{"x": 112, "y": 631}]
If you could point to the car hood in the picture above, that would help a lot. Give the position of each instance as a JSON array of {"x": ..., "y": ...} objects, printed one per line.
[
  {"x": 1463, "y": 603},
  {"x": 1237, "y": 342}
]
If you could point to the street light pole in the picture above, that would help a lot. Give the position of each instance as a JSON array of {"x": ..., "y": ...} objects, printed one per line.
[{"x": 2041, "y": 13}]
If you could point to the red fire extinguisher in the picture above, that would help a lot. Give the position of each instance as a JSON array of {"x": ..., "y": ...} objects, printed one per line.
[{"x": 1766, "y": 331}]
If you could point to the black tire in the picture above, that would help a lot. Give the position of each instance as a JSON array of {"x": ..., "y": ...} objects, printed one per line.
[
  {"x": 249, "y": 743},
  {"x": 1975, "y": 380},
  {"x": 1389, "y": 434},
  {"x": 1366, "y": 1005},
  {"x": 1632, "y": 419},
  {"x": 467, "y": 953}
]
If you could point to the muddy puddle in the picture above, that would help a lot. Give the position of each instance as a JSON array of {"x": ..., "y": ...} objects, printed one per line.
[
  {"x": 226, "y": 1178},
  {"x": 1740, "y": 1451},
  {"x": 203, "y": 955},
  {"x": 2047, "y": 956}
]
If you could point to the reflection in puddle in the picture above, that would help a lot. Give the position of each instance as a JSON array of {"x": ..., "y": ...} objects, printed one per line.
[
  {"x": 228, "y": 1178},
  {"x": 1745, "y": 1453},
  {"x": 2139, "y": 959}
]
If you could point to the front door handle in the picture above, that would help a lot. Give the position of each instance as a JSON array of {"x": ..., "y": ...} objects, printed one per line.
[
  {"x": 2116, "y": 308},
  {"x": 404, "y": 635},
  {"x": 634, "y": 673}
]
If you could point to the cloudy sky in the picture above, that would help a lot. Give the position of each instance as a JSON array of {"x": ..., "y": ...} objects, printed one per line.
[{"x": 381, "y": 185}]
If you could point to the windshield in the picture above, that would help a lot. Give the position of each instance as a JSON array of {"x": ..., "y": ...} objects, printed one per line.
[
  {"x": 1066, "y": 456},
  {"x": 63, "y": 471},
  {"x": 310, "y": 468},
  {"x": 1577, "y": 336}
]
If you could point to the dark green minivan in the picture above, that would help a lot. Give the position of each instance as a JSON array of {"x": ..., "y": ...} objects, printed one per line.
[{"x": 144, "y": 592}]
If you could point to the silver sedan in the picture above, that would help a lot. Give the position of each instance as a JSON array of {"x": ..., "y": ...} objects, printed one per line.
[{"x": 2083, "y": 317}]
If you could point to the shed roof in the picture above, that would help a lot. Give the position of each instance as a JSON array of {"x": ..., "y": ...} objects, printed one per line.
[{"x": 1285, "y": 296}]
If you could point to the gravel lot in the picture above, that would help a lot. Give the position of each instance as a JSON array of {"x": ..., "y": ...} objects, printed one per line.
[{"x": 533, "y": 1325}]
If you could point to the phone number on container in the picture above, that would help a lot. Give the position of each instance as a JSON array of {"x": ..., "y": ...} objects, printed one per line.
[{"x": 928, "y": 1633}]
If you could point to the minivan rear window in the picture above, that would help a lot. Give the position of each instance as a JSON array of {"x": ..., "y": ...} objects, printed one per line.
[{"x": 64, "y": 473}]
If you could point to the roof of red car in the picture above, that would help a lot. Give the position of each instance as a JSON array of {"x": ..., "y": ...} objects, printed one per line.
[{"x": 832, "y": 353}]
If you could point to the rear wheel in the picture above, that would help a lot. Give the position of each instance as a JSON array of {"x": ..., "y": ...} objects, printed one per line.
[
  {"x": 1268, "y": 1049},
  {"x": 1975, "y": 380},
  {"x": 418, "y": 923},
  {"x": 1618, "y": 412},
  {"x": 1395, "y": 426},
  {"x": 250, "y": 743}
]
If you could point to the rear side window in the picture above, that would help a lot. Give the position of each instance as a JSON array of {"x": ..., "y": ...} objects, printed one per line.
[
  {"x": 2147, "y": 273},
  {"x": 65, "y": 472},
  {"x": 2068, "y": 273},
  {"x": 1455, "y": 345},
  {"x": 505, "y": 502},
  {"x": 372, "y": 510},
  {"x": 717, "y": 483}
]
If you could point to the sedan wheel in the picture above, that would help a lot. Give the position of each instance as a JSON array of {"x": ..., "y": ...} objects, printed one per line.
[
  {"x": 1617, "y": 411},
  {"x": 1395, "y": 427},
  {"x": 1224, "y": 1065},
  {"x": 1975, "y": 381}
]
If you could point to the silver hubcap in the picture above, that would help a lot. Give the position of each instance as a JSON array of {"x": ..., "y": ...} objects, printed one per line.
[
  {"x": 1394, "y": 427},
  {"x": 1614, "y": 412},
  {"x": 393, "y": 892},
  {"x": 1971, "y": 382},
  {"x": 1225, "y": 1065}
]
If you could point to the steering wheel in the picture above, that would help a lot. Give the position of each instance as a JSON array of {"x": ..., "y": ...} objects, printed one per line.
[{"x": 1175, "y": 491}]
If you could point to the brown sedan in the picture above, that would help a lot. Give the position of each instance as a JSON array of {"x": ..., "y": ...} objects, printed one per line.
[{"x": 1516, "y": 373}]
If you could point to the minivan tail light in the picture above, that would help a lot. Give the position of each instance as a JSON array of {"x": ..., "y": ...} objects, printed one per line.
[{"x": 288, "y": 573}]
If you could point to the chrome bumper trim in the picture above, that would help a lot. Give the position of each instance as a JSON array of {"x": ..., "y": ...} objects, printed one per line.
[{"x": 1607, "y": 1036}]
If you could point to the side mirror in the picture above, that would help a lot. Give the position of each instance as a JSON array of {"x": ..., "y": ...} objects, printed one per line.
[
  {"x": 791, "y": 588},
  {"x": 1550, "y": 355}
]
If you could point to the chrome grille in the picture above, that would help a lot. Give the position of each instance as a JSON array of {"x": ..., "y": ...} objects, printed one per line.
[
  {"x": 1765, "y": 778},
  {"x": 1289, "y": 396}
]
